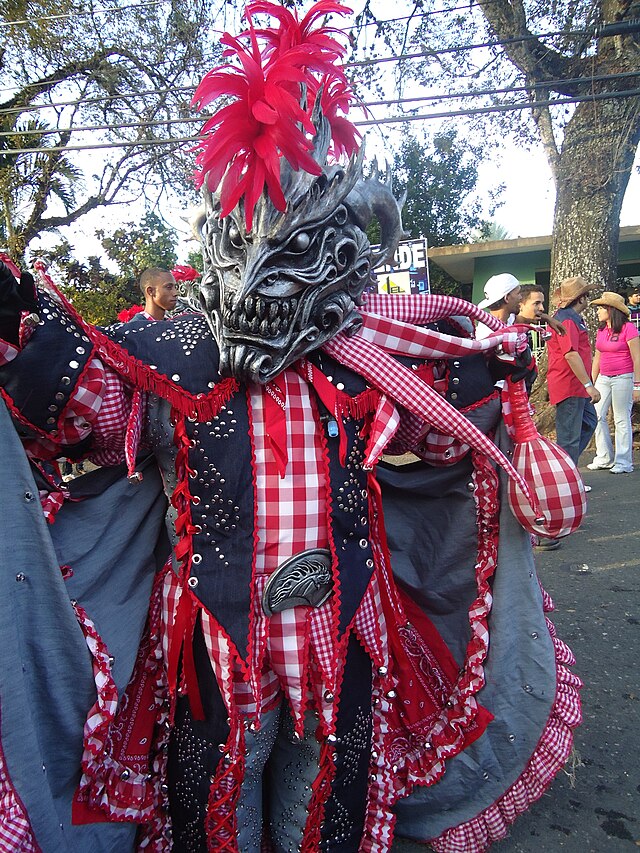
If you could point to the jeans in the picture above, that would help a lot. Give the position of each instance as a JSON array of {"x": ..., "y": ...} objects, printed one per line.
[
  {"x": 576, "y": 421},
  {"x": 616, "y": 391}
]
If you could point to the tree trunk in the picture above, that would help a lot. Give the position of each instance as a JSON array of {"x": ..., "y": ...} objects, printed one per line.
[{"x": 595, "y": 163}]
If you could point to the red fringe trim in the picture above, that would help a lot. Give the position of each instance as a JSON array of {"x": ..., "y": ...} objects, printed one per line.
[{"x": 201, "y": 407}]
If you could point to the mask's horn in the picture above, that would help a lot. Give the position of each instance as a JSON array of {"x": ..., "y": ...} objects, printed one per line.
[{"x": 371, "y": 198}]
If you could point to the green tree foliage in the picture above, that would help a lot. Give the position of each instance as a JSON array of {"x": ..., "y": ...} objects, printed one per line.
[
  {"x": 127, "y": 74},
  {"x": 99, "y": 293},
  {"x": 541, "y": 54},
  {"x": 439, "y": 178}
]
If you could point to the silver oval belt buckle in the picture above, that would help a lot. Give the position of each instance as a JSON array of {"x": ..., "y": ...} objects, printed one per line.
[{"x": 303, "y": 579}]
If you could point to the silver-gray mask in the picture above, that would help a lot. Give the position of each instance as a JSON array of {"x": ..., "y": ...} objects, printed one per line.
[{"x": 296, "y": 279}]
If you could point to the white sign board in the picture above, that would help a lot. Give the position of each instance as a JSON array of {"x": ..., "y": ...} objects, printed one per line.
[{"x": 409, "y": 272}]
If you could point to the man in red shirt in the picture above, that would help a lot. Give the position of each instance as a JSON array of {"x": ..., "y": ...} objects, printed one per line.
[{"x": 571, "y": 390}]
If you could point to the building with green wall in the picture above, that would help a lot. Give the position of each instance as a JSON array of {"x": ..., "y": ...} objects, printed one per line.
[{"x": 528, "y": 258}]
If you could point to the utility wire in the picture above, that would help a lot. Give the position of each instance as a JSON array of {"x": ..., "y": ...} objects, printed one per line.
[
  {"x": 594, "y": 78},
  {"x": 524, "y": 105},
  {"x": 504, "y": 108},
  {"x": 363, "y": 105},
  {"x": 90, "y": 12},
  {"x": 98, "y": 100},
  {"x": 106, "y": 11},
  {"x": 597, "y": 32},
  {"x": 624, "y": 27}
]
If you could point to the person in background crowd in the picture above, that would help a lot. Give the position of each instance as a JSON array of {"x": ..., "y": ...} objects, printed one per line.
[
  {"x": 633, "y": 304},
  {"x": 616, "y": 373},
  {"x": 160, "y": 293},
  {"x": 502, "y": 299},
  {"x": 531, "y": 311},
  {"x": 571, "y": 390},
  {"x": 569, "y": 383}
]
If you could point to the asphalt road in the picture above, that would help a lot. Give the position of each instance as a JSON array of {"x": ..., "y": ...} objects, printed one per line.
[{"x": 594, "y": 579}]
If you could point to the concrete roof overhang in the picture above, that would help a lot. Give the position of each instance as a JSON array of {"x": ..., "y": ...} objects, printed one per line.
[{"x": 459, "y": 261}]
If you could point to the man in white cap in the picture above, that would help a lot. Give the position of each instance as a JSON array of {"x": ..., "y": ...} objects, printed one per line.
[{"x": 502, "y": 299}]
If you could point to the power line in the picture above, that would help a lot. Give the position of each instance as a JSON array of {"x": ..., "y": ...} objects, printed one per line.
[
  {"x": 97, "y": 100},
  {"x": 504, "y": 108},
  {"x": 82, "y": 14},
  {"x": 596, "y": 32},
  {"x": 524, "y": 105},
  {"x": 446, "y": 96},
  {"x": 475, "y": 93},
  {"x": 594, "y": 78}
]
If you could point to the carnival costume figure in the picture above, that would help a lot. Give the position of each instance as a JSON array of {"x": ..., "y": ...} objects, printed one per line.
[{"x": 272, "y": 685}]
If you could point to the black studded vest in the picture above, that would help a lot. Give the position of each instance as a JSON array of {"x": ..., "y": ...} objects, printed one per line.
[{"x": 218, "y": 470}]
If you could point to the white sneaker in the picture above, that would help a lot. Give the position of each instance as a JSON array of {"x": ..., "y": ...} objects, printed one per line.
[
  {"x": 615, "y": 470},
  {"x": 593, "y": 466}
]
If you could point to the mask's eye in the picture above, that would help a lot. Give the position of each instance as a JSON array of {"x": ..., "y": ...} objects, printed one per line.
[
  {"x": 235, "y": 237},
  {"x": 300, "y": 243}
]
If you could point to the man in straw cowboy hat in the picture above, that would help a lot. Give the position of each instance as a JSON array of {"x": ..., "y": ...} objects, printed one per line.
[{"x": 571, "y": 390}]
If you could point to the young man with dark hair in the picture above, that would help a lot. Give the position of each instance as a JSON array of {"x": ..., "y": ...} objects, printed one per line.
[
  {"x": 502, "y": 299},
  {"x": 160, "y": 292},
  {"x": 633, "y": 304},
  {"x": 531, "y": 310}
]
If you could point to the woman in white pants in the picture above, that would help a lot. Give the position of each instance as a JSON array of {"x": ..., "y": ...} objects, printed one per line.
[{"x": 616, "y": 374}]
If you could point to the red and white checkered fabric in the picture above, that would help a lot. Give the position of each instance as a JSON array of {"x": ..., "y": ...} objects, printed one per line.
[
  {"x": 298, "y": 647},
  {"x": 390, "y": 377},
  {"x": 550, "y": 473},
  {"x": 7, "y": 352},
  {"x": 15, "y": 829},
  {"x": 383, "y": 428},
  {"x": 426, "y": 308},
  {"x": 557, "y": 485},
  {"x": 400, "y": 337}
]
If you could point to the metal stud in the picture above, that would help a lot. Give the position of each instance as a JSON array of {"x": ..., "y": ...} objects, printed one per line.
[
  {"x": 74, "y": 364},
  {"x": 192, "y": 582}
]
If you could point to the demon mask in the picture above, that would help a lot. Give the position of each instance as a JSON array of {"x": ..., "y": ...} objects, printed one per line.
[
  {"x": 275, "y": 293},
  {"x": 286, "y": 256}
]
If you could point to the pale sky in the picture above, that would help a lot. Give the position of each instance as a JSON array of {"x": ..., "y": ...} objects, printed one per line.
[{"x": 530, "y": 194}]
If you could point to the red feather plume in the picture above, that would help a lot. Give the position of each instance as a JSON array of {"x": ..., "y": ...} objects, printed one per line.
[
  {"x": 129, "y": 313},
  {"x": 185, "y": 273},
  {"x": 264, "y": 120}
]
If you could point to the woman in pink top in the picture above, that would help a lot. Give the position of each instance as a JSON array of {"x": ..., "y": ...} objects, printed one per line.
[{"x": 616, "y": 374}]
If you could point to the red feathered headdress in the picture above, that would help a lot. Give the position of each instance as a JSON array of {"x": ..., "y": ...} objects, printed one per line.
[
  {"x": 129, "y": 313},
  {"x": 281, "y": 72},
  {"x": 185, "y": 273}
]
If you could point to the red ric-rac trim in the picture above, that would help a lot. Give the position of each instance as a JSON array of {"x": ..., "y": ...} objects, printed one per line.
[
  {"x": 181, "y": 633},
  {"x": 220, "y": 822},
  {"x": 107, "y": 786},
  {"x": 203, "y": 407},
  {"x": 550, "y": 755},
  {"x": 461, "y": 719}
]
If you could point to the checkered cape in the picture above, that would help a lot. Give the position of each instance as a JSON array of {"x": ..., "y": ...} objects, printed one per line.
[{"x": 549, "y": 472}]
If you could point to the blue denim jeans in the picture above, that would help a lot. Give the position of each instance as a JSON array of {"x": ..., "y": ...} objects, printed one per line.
[
  {"x": 576, "y": 421},
  {"x": 616, "y": 392}
]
